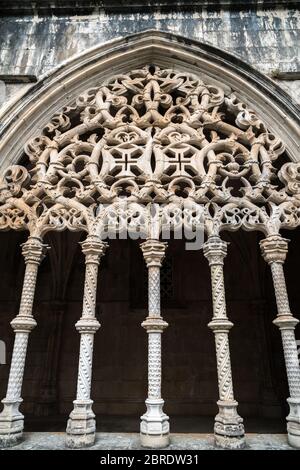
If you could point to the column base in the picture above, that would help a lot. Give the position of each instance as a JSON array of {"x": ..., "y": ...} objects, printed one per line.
[
  {"x": 81, "y": 427},
  {"x": 154, "y": 442},
  {"x": 229, "y": 429},
  {"x": 293, "y": 425},
  {"x": 154, "y": 431},
  {"x": 11, "y": 424}
]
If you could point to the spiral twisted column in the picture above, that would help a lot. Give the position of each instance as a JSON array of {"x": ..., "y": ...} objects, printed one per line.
[
  {"x": 11, "y": 420},
  {"x": 81, "y": 427},
  {"x": 274, "y": 250},
  {"x": 228, "y": 429},
  {"x": 154, "y": 431}
]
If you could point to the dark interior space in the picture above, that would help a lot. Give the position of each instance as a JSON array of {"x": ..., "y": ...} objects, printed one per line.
[{"x": 120, "y": 355}]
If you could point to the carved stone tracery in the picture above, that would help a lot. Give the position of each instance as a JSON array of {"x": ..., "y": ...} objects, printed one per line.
[{"x": 152, "y": 135}]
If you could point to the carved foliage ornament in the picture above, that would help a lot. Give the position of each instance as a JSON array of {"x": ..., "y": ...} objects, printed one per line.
[{"x": 152, "y": 135}]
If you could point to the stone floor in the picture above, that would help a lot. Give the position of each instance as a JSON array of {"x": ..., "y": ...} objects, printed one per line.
[{"x": 130, "y": 441}]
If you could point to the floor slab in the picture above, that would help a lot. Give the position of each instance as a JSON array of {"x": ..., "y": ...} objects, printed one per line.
[{"x": 130, "y": 441}]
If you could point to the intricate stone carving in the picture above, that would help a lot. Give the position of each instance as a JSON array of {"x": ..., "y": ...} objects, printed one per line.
[
  {"x": 274, "y": 250},
  {"x": 229, "y": 429},
  {"x": 85, "y": 366},
  {"x": 154, "y": 135},
  {"x": 81, "y": 425},
  {"x": 17, "y": 367},
  {"x": 151, "y": 136}
]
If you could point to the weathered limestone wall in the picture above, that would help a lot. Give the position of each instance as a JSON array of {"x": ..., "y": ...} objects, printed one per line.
[{"x": 265, "y": 37}]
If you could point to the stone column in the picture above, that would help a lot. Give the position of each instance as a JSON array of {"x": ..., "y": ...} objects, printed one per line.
[
  {"x": 81, "y": 427},
  {"x": 274, "y": 250},
  {"x": 154, "y": 423},
  {"x": 11, "y": 420},
  {"x": 228, "y": 429}
]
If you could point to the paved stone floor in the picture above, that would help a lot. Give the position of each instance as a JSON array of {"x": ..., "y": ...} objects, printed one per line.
[{"x": 124, "y": 441}]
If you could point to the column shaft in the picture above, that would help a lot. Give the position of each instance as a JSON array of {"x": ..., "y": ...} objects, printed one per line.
[
  {"x": 274, "y": 250},
  {"x": 154, "y": 423},
  {"x": 81, "y": 427},
  {"x": 229, "y": 429},
  {"x": 11, "y": 420}
]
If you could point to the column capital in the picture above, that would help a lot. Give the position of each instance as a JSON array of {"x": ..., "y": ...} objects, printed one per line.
[
  {"x": 93, "y": 248},
  {"x": 215, "y": 250},
  {"x": 34, "y": 250},
  {"x": 154, "y": 252},
  {"x": 274, "y": 249}
]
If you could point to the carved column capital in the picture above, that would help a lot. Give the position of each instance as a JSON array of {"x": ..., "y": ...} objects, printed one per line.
[
  {"x": 34, "y": 250},
  {"x": 274, "y": 249},
  {"x": 154, "y": 252},
  {"x": 93, "y": 248},
  {"x": 215, "y": 250}
]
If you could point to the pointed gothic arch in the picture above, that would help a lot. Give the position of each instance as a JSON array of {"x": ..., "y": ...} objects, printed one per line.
[{"x": 151, "y": 120}]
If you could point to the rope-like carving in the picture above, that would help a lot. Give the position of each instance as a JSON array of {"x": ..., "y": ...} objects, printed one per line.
[
  {"x": 85, "y": 366},
  {"x": 291, "y": 361},
  {"x": 154, "y": 365},
  {"x": 217, "y": 279},
  {"x": 90, "y": 288},
  {"x": 224, "y": 366},
  {"x": 154, "y": 290},
  {"x": 152, "y": 135},
  {"x": 17, "y": 366},
  {"x": 281, "y": 294}
]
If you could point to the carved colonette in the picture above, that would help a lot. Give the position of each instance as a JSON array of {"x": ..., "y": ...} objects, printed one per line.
[
  {"x": 274, "y": 250},
  {"x": 229, "y": 429},
  {"x": 11, "y": 419},
  {"x": 81, "y": 426},
  {"x": 155, "y": 137},
  {"x": 154, "y": 423}
]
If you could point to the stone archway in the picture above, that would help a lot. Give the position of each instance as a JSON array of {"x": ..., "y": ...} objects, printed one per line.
[{"x": 148, "y": 150}]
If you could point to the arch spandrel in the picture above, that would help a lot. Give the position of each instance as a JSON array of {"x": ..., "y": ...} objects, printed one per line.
[{"x": 153, "y": 135}]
